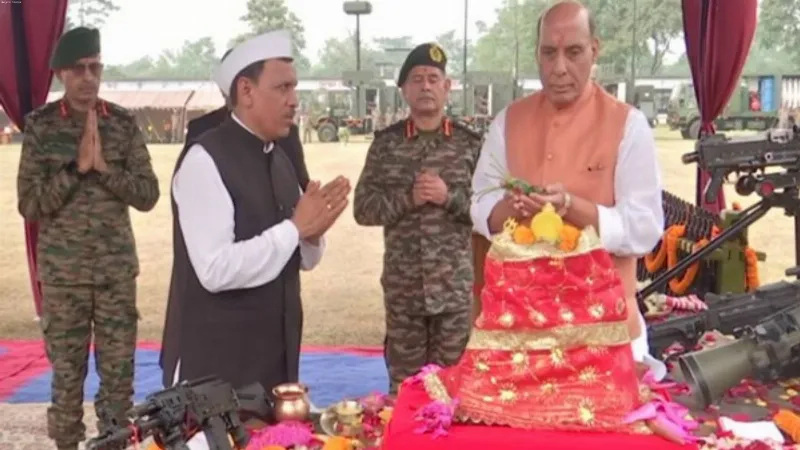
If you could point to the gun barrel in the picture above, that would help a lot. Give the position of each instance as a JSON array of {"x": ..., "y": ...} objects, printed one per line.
[
  {"x": 123, "y": 436},
  {"x": 118, "y": 437},
  {"x": 690, "y": 158}
]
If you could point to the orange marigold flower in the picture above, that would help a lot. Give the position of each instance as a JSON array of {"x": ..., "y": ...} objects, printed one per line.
[{"x": 568, "y": 238}]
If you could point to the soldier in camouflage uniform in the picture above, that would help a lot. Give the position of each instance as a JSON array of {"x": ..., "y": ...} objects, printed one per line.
[
  {"x": 416, "y": 185},
  {"x": 83, "y": 163}
]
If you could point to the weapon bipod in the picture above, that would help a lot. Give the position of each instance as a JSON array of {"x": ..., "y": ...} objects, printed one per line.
[{"x": 788, "y": 199}]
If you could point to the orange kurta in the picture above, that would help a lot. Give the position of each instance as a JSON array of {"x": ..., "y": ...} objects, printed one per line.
[
  {"x": 576, "y": 146},
  {"x": 551, "y": 346}
]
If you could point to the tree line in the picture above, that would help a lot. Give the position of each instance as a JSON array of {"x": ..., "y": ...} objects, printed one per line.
[{"x": 505, "y": 45}]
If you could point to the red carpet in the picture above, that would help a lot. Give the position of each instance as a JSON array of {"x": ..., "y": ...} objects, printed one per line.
[{"x": 400, "y": 434}]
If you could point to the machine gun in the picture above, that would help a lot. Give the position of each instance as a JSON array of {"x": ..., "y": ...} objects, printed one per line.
[
  {"x": 174, "y": 415},
  {"x": 727, "y": 314},
  {"x": 722, "y": 156},
  {"x": 747, "y": 157}
]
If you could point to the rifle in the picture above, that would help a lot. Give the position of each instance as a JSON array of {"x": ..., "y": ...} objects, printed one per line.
[
  {"x": 173, "y": 415},
  {"x": 728, "y": 314},
  {"x": 748, "y": 158}
]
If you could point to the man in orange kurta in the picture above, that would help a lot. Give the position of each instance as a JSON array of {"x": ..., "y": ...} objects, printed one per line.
[{"x": 594, "y": 156}]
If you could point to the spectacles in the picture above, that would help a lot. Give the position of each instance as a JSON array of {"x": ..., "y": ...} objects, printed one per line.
[{"x": 79, "y": 69}]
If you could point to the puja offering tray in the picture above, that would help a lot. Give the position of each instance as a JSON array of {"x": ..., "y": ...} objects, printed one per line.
[{"x": 361, "y": 420}]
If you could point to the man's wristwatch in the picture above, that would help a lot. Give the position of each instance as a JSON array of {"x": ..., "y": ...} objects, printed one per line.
[{"x": 567, "y": 204}]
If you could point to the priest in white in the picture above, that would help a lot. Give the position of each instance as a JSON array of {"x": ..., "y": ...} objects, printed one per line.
[{"x": 245, "y": 224}]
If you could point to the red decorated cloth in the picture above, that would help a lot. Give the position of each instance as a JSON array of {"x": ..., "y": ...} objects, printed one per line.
[
  {"x": 551, "y": 349},
  {"x": 401, "y": 435}
]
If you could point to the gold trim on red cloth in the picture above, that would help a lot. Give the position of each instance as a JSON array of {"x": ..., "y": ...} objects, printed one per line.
[
  {"x": 576, "y": 413},
  {"x": 505, "y": 249},
  {"x": 567, "y": 336}
]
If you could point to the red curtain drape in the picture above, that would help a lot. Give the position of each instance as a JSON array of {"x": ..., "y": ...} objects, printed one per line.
[
  {"x": 29, "y": 31},
  {"x": 718, "y": 36}
]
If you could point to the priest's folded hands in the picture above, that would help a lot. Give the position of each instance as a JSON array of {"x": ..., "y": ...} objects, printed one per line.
[{"x": 320, "y": 206}]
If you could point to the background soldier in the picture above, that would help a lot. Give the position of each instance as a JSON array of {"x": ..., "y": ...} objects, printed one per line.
[
  {"x": 83, "y": 162},
  {"x": 307, "y": 126},
  {"x": 416, "y": 184}
]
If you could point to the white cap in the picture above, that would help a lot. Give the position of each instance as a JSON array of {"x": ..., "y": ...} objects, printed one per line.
[{"x": 271, "y": 45}]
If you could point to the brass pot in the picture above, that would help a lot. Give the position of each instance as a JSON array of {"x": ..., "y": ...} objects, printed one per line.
[{"x": 291, "y": 402}]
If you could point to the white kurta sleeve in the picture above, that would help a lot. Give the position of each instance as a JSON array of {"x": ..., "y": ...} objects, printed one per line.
[
  {"x": 206, "y": 219},
  {"x": 311, "y": 255},
  {"x": 633, "y": 226},
  {"x": 491, "y": 166}
]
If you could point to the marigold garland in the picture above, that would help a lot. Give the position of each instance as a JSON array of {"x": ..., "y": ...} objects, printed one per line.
[
  {"x": 654, "y": 260},
  {"x": 752, "y": 281},
  {"x": 668, "y": 250},
  {"x": 679, "y": 285}
]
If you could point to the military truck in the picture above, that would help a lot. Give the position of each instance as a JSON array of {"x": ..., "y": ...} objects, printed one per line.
[
  {"x": 487, "y": 94},
  {"x": 351, "y": 109},
  {"x": 616, "y": 83},
  {"x": 754, "y": 105}
]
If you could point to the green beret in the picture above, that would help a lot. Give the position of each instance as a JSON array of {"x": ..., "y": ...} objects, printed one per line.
[
  {"x": 75, "y": 44},
  {"x": 430, "y": 54}
]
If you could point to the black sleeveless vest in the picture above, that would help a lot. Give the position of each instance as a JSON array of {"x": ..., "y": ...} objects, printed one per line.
[{"x": 246, "y": 335}]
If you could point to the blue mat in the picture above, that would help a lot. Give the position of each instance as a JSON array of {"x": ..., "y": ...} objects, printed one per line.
[{"x": 330, "y": 376}]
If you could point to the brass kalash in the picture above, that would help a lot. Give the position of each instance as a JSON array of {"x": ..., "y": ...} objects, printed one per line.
[{"x": 291, "y": 402}]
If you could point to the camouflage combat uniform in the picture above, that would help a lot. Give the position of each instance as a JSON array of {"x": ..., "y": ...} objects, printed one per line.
[
  {"x": 86, "y": 255},
  {"x": 427, "y": 266}
]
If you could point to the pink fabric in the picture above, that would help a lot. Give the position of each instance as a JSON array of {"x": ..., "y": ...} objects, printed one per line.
[{"x": 672, "y": 416}]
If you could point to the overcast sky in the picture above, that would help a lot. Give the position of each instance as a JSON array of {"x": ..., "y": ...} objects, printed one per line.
[{"x": 146, "y": 27}]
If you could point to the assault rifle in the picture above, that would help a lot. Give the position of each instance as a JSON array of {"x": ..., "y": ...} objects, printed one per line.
[
  {"x": 174, "y": 415},
  {"x": 747, "y": 157},
  {"x": 728, "y": 314}
]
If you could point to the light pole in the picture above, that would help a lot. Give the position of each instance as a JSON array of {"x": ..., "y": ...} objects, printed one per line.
[
  {"x": 632, "y": 87},
  {"x": 358, "y": 9}
]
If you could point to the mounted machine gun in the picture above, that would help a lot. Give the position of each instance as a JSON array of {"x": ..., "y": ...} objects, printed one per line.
[{"x": 749, "y": 158}]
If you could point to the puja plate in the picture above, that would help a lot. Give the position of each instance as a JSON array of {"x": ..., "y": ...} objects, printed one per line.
[{"x": 329, "y": 421}]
